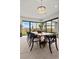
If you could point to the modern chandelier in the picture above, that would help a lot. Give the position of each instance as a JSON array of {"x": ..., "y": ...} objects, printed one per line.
[{"x": 41, "y": 9}]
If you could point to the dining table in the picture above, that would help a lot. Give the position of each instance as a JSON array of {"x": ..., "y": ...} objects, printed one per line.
[
  {"x": 43, "y": 33},
  {"x": 41, "y": 36}
]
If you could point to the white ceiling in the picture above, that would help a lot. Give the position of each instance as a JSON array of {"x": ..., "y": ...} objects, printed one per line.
[{"x": 28, "y": 9}]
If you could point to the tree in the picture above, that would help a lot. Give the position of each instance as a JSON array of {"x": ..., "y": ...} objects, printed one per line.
[{"x": 41, "y": 26}]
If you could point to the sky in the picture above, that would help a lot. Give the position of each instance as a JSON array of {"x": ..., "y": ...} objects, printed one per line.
[{"x": 25, "y": 24}]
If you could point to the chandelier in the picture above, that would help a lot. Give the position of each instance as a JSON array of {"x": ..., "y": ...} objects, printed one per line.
[{"x": 41, "y": 9}]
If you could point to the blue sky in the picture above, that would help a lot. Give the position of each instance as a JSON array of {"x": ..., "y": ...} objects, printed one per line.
[{"x": 25, "y": 24}]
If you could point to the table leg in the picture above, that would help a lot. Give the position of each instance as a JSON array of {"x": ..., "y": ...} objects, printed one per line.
[{"x": 30, "y": 42}]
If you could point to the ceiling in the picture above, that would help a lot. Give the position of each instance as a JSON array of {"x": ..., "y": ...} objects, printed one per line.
[{"x": 28, "y": 9}]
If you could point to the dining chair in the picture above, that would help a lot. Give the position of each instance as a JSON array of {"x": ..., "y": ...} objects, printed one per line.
[
  {"x": 28, "y": 38},
  {"x": 42, "y": 41},
  {"x": 39, "y": 31},
  {"x": 52, "y": 39},
  {"x": 32, "y": 37}
]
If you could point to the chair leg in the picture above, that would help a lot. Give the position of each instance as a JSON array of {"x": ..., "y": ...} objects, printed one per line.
[
  {"x": 39, "y": 44},
  {"x": 30, "y": 43},
  {"x": 27, "y": 40},
  {"x": 56, "y": 44},
  {"x": 32, "y": 46},
  {"x": 50, "y": 47}
]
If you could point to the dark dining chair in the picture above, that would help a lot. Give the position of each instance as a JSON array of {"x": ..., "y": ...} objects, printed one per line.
[
  {"x": 42, "y": 42},
  {"x": 39, "y": 31},
  {"x": 32, "y": 37},
  {"x": 28, "y": 38},
  {"x": 52, "y": 39}
]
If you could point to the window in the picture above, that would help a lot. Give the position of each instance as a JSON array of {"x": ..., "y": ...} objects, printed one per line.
[
  {"x": 33, "y": 26},
  {"x": 38, "y": 27},
  {"x": 44, "y": 27},
  {"x": 49, "y": 26},
  {"x": 25, "y": 28},
  {"x": 53, "y": 26}
]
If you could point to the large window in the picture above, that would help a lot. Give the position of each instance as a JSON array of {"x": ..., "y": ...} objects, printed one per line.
[
  {"x": 25, "y": 28},
  {"x": 49, "y": 26},
  {"x": 33, "y": 26},
  {"x": 38, "y": 26},
  {"x": 44, "y": 27},
  {"x": 53, "y": 27}
]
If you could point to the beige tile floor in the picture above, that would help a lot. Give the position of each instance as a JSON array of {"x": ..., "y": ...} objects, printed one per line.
[{"x": 36, "y": 52}]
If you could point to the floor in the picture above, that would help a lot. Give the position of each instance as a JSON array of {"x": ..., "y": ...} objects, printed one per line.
[{"x": 36, "y": 52}]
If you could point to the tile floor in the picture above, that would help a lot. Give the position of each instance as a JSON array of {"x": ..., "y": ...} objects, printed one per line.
[{"x": 36, "y": 52}]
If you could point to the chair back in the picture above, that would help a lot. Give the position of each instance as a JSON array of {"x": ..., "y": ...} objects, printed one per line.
[
  {"x": 39, "y": 31},
  {"x": 32, "y": 35}
]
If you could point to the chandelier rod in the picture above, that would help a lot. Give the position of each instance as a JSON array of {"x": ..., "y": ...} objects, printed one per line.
[{"x": 41, "y": 2}]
